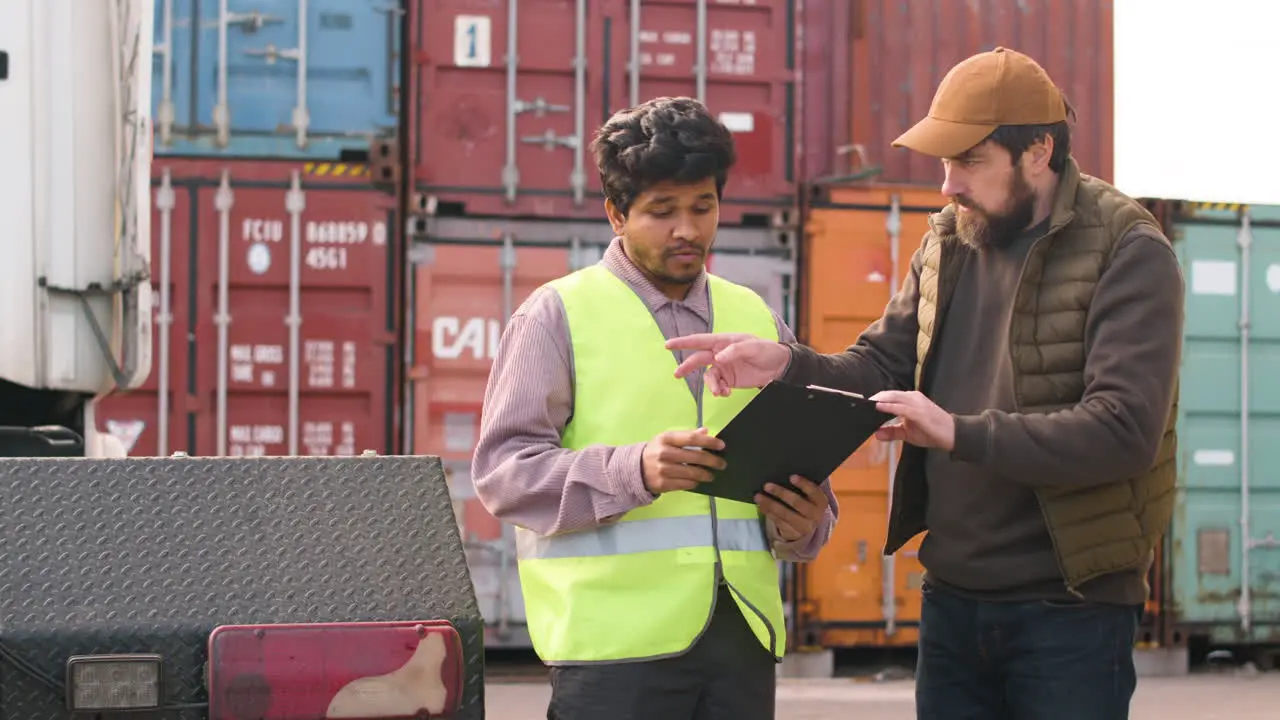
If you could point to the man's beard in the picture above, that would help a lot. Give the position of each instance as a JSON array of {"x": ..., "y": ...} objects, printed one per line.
[{"x": 981, "y": 228}]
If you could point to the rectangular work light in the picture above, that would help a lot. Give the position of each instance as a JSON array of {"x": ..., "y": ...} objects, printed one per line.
[{"x": 99, "y": 683}]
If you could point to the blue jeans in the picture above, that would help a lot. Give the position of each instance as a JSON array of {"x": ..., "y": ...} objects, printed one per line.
[{"x": 1024, "y": 661}]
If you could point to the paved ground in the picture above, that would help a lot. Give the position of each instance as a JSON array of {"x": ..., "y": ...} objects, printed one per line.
[{"x": 1200, "y": 697}]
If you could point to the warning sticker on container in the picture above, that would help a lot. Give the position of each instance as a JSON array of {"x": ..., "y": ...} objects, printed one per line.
[
  {"x": 1273, "y": 278},
  {"x": 459, "y": 431},
  {"x": 126, "y": 431},
  {"x": 738, "y": 121},
  {"x": 1219, "y": 458},
  {"x": 1213, "y": 277}
]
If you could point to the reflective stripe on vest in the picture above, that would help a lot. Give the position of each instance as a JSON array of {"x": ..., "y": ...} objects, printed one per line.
[
  {"x": 662, "y": 533},
  {"x": 644, "y": 585}
]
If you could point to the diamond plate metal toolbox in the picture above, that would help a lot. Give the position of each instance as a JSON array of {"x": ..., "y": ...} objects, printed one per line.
[{"x": 149, "y": 555}]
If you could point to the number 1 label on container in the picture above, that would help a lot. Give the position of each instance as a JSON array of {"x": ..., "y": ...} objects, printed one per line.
[{"x": 471, "y": 47}]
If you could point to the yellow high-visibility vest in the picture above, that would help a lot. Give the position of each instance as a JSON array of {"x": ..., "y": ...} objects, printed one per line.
[{"x": 644, "y": 587}]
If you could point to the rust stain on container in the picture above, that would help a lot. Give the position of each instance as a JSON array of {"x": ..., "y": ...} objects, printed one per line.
[
  {"x": 1214, "y": 546},
  {"x": 902, "y": 50}
]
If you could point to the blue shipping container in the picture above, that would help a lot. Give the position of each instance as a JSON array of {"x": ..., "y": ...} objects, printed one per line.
[
  {"x": 1225, "y": 555},
  {"x": 227, "y": 82}
]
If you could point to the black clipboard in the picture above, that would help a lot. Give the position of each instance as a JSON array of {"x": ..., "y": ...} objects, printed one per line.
[{"x": 790, "y": 430}]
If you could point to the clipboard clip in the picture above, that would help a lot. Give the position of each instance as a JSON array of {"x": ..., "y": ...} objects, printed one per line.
[{"x": 833, "y": 390}]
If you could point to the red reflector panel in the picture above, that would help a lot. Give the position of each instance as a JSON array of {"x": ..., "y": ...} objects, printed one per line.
[{"x": 370, "y": 671}]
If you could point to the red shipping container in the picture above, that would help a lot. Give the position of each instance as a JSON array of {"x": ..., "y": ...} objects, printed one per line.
[
  {"x": 822, "y": 93},
  {"x": 876, "y": 64},
  {"x": 505, "y": 107},
  {"x": 460, "y": 310},
  {"x": 236, "y": 380}
]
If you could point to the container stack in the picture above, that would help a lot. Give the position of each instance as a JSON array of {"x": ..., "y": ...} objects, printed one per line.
[
  {"x": 274, "y": 232},
  {"x": 342, "y": 229}
]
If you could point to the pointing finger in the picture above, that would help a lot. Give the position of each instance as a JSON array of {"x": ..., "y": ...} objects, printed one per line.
[{"x": 696, "y": 341}]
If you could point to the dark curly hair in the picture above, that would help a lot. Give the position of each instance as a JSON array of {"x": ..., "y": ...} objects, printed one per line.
[{"x": 665, "y": 139}]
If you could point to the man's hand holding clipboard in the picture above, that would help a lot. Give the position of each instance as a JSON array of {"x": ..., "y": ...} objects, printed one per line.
[
  {"x": 687, "y": 460},
  {"x": 788, "y": 431},
  {"x": 741, "y": 360},
  {"x": 785, "y": 431}
]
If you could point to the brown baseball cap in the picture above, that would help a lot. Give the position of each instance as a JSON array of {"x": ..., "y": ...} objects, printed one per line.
[{"x": 983, "y": 92}]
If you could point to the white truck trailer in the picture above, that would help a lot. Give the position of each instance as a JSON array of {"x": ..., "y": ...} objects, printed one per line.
[{"x": 75, "y": 127}]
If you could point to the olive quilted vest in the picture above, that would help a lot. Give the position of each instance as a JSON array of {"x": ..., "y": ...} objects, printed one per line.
[{"x": 1096, "y": 530}]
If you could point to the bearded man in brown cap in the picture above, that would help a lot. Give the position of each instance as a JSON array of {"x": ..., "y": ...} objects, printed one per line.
[{"x": 1031, "y": 359}]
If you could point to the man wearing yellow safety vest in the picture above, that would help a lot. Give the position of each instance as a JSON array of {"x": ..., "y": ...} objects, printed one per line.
[{"x": 646, "y": 600}]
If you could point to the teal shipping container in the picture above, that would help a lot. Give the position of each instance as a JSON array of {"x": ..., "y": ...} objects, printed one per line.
[{"x": 1223, "y": 551}]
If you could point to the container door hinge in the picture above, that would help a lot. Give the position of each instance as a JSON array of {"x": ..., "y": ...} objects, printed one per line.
[
  {"x": 539, "y": 107},
  {"x": 271, "y": 53},
  {"x": 252, "y": 21},
  {"x": 507, "y": 261},
  {"x": 550, "y": 140},
  {"x": 1269, "y": 542},
  {"x": 123, "y": 286}
]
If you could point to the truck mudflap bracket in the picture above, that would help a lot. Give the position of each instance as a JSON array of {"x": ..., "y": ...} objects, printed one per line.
[
  {"x": 150, "y": 555},
  {"x": 124, "y": 287}
]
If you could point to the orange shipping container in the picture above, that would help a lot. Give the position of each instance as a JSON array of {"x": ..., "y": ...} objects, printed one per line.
[{"x": 857, "y": 252}]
